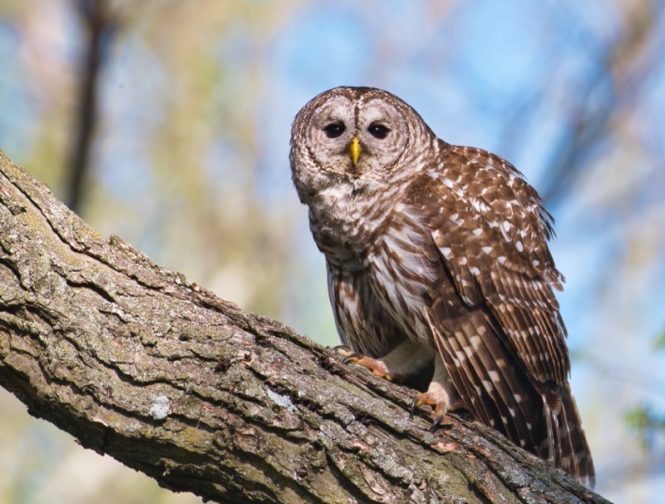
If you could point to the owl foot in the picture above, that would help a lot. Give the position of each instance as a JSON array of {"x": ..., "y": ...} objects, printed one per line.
[
  {"x": 343, "y": 350},
  {"x": 440, "y": 403},
  {"x": 377, "y": 367}
]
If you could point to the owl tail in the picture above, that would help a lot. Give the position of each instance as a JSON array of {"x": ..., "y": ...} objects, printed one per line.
[{"x": 566, "y": 443}]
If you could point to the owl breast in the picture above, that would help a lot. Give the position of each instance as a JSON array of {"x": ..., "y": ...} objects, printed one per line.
[
  {"x": 400, "y": 268},
  {"x": 372, "y": 234},
  {"x": 341, "y": 218}
]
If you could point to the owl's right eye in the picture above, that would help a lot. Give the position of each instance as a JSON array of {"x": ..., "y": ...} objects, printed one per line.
[{"x": 335, "y": 129}]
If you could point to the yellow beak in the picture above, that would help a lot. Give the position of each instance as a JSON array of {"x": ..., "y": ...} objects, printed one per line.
[{"x": 354, "y": 150}]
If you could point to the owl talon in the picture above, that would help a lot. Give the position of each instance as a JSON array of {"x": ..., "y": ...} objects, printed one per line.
[
  {"x": 343, "y": 349},
  {"x": 351, "y": 359},
  {"x": 436, "y": 423},
  {"x": 439, "y": 404},
  {"x": 412, "y": 409},
  {"x": 376, "y": 366}
]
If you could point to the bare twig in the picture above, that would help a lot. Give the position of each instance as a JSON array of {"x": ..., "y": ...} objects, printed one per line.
[{"x": 99, "y": 27}]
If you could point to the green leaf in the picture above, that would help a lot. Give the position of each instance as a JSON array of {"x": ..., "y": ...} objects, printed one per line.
[
  {"x": 660, "y": 341},
  {"x": 638, "y": 418}
]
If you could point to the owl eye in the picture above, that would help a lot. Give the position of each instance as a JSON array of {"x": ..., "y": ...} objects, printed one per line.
[
  {"x": 378, "y": 130},
  {"x": 333, "y": 130}
]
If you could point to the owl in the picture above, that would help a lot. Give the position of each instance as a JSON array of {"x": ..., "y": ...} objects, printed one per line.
[{"x": 437, "y": 258}]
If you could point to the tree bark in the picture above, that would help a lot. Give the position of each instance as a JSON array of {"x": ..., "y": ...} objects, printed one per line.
[{"x": 135, "y": 362}]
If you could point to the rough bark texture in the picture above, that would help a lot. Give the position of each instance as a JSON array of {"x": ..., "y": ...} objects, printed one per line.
[{"x": 169, "y": 379}]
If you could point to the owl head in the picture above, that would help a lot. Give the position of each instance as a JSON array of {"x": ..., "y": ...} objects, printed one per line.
[{"x": 355, "y": 135}]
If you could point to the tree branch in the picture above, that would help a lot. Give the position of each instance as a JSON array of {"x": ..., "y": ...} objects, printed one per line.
[
  {"x": 168, "y": 379},
  {"x": 99, "y": 26}
]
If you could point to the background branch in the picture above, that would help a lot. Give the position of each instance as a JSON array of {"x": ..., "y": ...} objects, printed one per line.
[{"x": 99, "y": 26}]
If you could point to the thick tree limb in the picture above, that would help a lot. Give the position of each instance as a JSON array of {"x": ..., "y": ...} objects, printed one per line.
[{"x": 167, "y": 378}]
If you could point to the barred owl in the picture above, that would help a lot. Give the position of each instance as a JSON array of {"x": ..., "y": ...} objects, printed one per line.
[{"x": 438, "y": 254}]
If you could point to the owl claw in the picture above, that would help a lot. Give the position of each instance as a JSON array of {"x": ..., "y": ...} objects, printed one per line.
[
  {"x": 343, "y": 349},
  {"x": 439, "y": 405},
  {"x": 351, "y": 358},
  {"x": 436, "y": 423},
  {"x": 377, "y": 367}
]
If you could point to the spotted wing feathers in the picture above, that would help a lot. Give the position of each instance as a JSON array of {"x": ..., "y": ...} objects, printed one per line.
[{"x": 496, "y": 321}]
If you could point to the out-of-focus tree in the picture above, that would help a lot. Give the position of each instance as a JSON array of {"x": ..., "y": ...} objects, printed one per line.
[{"x": 99, "y": 27}]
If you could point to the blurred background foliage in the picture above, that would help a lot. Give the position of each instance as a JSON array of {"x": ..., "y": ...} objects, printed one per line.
[{"x": 167, "y": 122}]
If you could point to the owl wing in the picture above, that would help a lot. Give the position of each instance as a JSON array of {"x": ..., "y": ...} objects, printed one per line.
[
  {"x": 492, "y": 236},
  {"x": 484, "y": 371},
  {"x": 493, "y": 316}
]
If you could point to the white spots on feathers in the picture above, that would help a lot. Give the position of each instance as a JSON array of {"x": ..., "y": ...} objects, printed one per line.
[
  {"x": 480, "y": 206},
  {"x": 447, "y": 252}
]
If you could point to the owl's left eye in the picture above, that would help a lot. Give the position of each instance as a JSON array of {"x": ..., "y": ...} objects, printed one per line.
[
  {"x": 333, "y": 130},
  {"x": 378, "y": 130}
]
